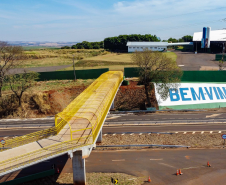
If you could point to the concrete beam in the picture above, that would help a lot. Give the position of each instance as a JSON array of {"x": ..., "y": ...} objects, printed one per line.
[
  {"x": 99, "y": 139},
  {"x": 79, "y": 171}
]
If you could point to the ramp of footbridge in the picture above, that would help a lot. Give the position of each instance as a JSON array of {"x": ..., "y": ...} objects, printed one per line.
[{"x": 76, "y": 128}]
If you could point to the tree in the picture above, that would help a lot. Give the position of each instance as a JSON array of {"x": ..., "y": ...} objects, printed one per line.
[
  {"x": 221, "y": 62},
  {"x": 155, "y": 67},
  {"x": 74, "y": 47},
  {"x": 187, "y": 38},
  {"x": 65, "y": 47},
  {"x": 119, "y": 43},
  {"x": 10, "y": 57},
  {"x": 19, "y": 83},
  {"x": 173, "y": 40}
]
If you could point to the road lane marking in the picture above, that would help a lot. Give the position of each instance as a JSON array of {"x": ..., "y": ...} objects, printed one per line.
[
  {"x": 113, "y": 117},
  {"x": 167, "y": 165},
  {"x": 193, "y": 132},
  {"x": 202, "y": 132},
  {"x": 156, "y": 159},
  {"x": 190, "y": 168},
  {"x": 118, "y": 160},
  {"x": 213, "y": 115}
]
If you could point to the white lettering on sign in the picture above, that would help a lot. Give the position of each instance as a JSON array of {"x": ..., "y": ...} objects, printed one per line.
[{"x": 194, "y": 93}]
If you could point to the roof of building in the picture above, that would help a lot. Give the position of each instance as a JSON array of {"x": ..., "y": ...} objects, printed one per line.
[
  {"x": 147, "y": 44},
  {"x": 180, "y": 43},
  {"x": 152, "y": 44},
  {"x": 215, "y": 35}
]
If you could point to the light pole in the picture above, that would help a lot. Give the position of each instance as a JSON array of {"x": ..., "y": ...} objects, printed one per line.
[{"x": 74, "y": 68}]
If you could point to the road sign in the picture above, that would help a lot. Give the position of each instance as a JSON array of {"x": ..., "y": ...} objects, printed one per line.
[
  {"x": 3, "y": 142},
  {"x": 223, "y": 136}
]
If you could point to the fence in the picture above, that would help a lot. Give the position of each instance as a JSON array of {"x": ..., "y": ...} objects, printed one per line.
[
  {"x": 219, "y": 57},
  {"x": 188, "y": 76},
  {"x": 68, "y": 75},
  {"x": 29, "y": 178}
]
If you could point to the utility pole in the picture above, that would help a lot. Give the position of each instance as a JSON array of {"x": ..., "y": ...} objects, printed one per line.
[
  {"x": 74, "y": 68},
  {"x": 221, "y": 62}
]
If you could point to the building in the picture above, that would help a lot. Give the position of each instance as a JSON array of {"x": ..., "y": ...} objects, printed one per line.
[
  {"x": 154, "y": 46},
  {"x": 217, "y": 40}
]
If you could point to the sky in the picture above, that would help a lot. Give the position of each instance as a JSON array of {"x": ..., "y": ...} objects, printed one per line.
[{"x": 94, "y": 20}]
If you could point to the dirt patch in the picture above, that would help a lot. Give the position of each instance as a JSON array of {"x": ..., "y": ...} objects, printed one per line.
[
  {"x": 91, "y": 179},
  {"x": 58, "y": 100},
  {"x": 197, "y": 140},
  {"x": 103, "y": 179},
  {"x": 132, "y": 97},
  {"x": 51, "y": 102}
]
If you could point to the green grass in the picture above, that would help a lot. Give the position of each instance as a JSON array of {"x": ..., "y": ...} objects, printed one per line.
[
  {"x": 115, "y": 62},
  {"x": 84, "y": 59},
  {"x": 54, "y": 84},
  {"x": 26, "y": 48},
  {"x": 171, "y": 55}
]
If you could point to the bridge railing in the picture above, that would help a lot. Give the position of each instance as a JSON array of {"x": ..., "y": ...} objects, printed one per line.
[
  {"x": 41, "y": 154},
  {"x": 28, "y": 138},
  {"x": 92, "y": 105}
]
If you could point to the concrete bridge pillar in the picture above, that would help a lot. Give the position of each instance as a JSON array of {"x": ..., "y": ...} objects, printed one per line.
[
  {"x": 99, "y": 139},
  {"x": 79, "y": 170},
  {"x": 112, "y": 105}
]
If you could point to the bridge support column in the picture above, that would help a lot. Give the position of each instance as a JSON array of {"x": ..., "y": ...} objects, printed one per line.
[
  {"x": 79, "y": 170},
  {"x": 99, "y": 139},
  {"x": 112, "y": 105}
]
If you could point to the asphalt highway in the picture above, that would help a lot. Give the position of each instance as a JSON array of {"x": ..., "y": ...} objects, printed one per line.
[
  {"x": 126, "y": 118},
  {"x": 161, "y": 123},
  {"x": 159, "y": 164}
]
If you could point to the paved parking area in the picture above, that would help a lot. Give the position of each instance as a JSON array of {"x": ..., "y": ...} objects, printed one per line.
[{"x": 189, "y": 61}]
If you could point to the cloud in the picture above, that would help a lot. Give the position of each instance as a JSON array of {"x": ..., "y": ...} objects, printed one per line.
[
  {"x": 163, "y": 7},
  {"x": 82, "y": 6}
]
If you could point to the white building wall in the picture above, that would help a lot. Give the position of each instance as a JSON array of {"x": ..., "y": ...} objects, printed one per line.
[{"x": 141, "y": 48}]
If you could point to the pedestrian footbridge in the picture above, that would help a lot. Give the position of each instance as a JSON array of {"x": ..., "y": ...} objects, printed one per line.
[{"x": 76, "y": 129}]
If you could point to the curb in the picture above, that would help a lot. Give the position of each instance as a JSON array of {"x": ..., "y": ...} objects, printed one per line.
[{"x": 149, "y": 124}]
